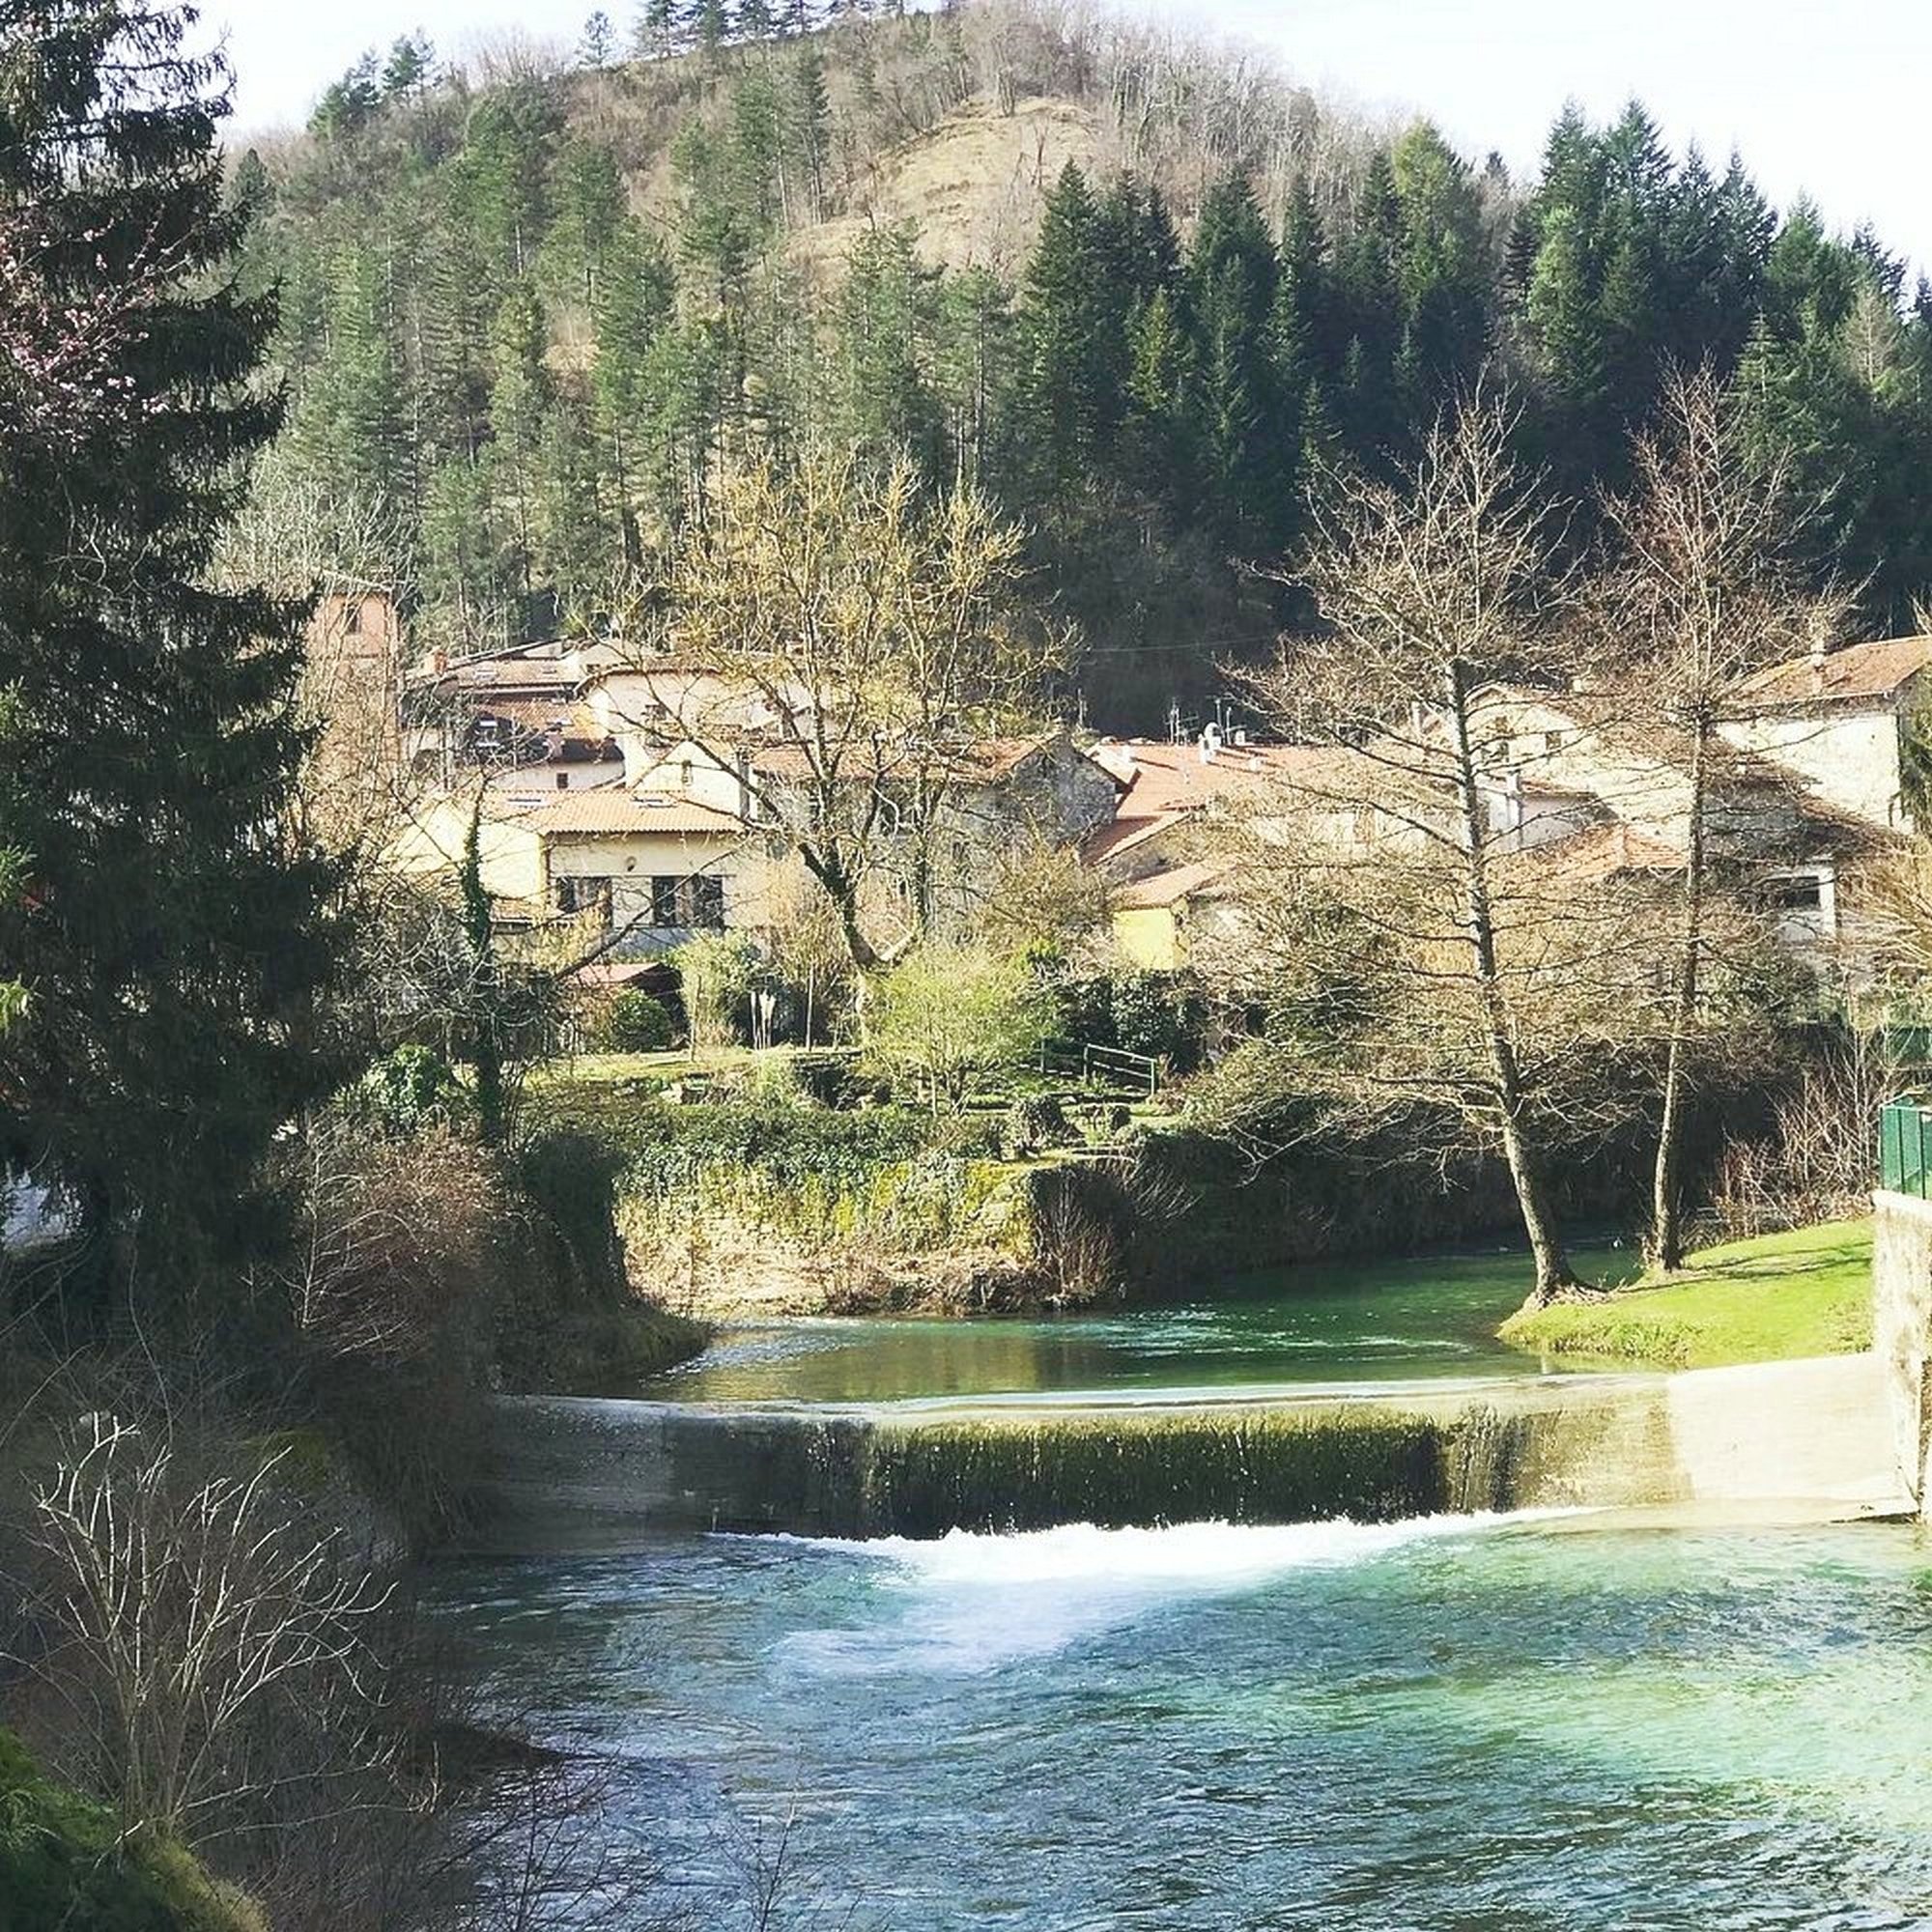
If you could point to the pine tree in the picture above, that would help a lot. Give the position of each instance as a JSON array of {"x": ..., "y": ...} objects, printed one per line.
[
  {"x": 599, "y": 42},
  {"x": 349, "y": 423},
  {"x": 658, "y": 32},
  {"x": 883, "y": 321},
  {"x": 172, "y": 940},
  {"x": 1071, "y": 373},
  {"x": 409, "y": 69},
  {"x": 1231, "y": 276},
  {"x": 809, "y": 123},
  {"x": 635, "y": 303}
]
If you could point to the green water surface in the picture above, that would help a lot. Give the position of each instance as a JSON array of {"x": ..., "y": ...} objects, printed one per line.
[
  {"x": 1453, "y": 1725},
  {"x": 1353, "y": 1324}
]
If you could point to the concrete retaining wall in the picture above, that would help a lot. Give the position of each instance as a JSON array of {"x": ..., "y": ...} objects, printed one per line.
[
  {"x": 1805, "y": 1439},
  {"x": 1902, "y": 1333}
]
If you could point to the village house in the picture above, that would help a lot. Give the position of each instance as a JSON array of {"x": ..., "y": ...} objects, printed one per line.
[
  {"x": 1843, "y": 721},
  {"x": 695, "y": 843}
]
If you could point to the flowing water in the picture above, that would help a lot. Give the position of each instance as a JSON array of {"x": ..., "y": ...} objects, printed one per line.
[
  {"x": 1464, "y": 1723},
  {"x": 1344, "y": 1324},
  {"x": 1457, "y": 1724}
]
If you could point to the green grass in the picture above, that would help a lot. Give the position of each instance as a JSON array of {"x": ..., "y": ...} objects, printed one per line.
[{"x": 1779, "y": 1297}]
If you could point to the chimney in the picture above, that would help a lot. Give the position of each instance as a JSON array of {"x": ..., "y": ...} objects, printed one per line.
[
  {"x": 438, "y": 660},
  {"x": 553, "y": 742}
]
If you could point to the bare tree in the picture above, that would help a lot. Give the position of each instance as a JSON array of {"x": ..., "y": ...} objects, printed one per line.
[
  {"x": 1704, "y": 594},
  {"x": 879, "y": 635},
  {"x": 186, "y": 1604},
  {"x": 1440, "y": 966}
]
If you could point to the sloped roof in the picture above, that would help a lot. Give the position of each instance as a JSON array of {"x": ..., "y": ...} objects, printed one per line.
[
  {"x": 583, "y": 737},
  {"x": 1603, "y": 851},
  {"x": 983, "y": 761},
  {"x": 1123, "y": 834},
  {"x": 1161, "y": 777},
  {"x": 1171, "y": 887},
  {"x": 1855, "y": 673},
  {"x": 609, "y": 811}
]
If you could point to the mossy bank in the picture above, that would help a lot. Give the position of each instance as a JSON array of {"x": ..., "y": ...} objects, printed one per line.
[{"x": 1786, "y": 1296}]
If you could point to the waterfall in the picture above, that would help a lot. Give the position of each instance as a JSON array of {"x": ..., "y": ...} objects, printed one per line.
[{"x": 882, "y": 1472}]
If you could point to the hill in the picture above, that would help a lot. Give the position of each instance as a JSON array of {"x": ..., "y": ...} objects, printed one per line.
[{"x": 1139, "y": 289}]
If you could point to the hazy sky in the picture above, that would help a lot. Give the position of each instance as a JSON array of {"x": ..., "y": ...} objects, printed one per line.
[{"x": 1829, "y": 101}]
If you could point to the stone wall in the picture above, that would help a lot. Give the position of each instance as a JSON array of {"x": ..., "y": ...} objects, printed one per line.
[{"x": 1902, "y": 1331}]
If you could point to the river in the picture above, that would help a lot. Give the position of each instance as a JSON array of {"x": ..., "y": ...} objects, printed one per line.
[
  {"x": 1468, "y": 1724},
  {"x": 1353, "y": 1324}
]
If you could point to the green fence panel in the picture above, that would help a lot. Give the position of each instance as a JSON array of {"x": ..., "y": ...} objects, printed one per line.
[{"x": 1904, "y": 1141}]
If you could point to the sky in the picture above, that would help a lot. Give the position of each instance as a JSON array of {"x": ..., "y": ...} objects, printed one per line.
[{"x": 1829, "y": 102}]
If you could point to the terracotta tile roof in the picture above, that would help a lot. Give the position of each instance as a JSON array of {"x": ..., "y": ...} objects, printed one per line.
[
  {"x": 611, "y": 811},
  {"x": 1121, "y": 835},
  {"x": 984, "y": 761},
  {"x": 1171, "y": 887},
  {"x": 1603, "y": 851},
  {"x": 1855, "y": 673},
  {"x": 585, "y": 739},
  {"x": 1174, "y": 777}
]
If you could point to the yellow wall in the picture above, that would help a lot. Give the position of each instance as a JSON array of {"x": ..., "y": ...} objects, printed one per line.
[
  {"x": 433, "y": 838},
  {"x": 1149, "y": 937}
]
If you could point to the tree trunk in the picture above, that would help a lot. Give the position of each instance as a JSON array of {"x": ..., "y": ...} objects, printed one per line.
[
  {"x": 1666, "y": 1207},
  {"x": 1553, "y": 1273}
]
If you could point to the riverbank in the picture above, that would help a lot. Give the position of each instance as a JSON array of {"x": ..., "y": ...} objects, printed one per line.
[{"x": 1778, "y": 1298}]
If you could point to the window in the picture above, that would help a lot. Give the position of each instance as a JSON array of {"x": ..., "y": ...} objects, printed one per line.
[
  {"x": 1798, "y": 893},
  {"x": 664, "y": 902},
  {"x": 563, "y": 781},
  {"x": 576, "y": 895},
  {"x": 707, "y": 902}
]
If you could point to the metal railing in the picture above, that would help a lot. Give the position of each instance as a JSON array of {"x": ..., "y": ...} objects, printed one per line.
[{"x": 1905, "y": 1146}]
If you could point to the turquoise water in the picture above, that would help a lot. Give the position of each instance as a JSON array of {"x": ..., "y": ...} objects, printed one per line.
[
  {"x": 1345, "y": 1323},
  {"x": 1447, "y": 1723}
]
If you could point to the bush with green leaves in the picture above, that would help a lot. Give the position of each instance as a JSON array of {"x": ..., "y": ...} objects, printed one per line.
[
  {"x": 411, "y": 1089},
  {"x": 633, "y": 1021},
  {"x": 948, "y": 1013},
  {"x": 1155, "y": 1014},
  {"x": 717, "y": 971}
]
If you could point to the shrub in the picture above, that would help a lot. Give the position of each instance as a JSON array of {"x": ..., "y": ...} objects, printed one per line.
[
  {"x": 1036, "y": 1121},
  {"x": 635, "y": 1022},
  {"x": 1155, "y": 1014},
  {"x": 412, "y": 1089},
  {"x": 716, "y": 969},
  {"x": 948, "y": 1012}
]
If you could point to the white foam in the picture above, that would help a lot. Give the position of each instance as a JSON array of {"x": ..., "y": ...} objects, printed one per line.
[{"x": 970, "y": 1602}]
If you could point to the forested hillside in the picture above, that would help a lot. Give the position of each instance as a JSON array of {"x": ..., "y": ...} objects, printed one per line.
[{"x": 1136, "y": 290}]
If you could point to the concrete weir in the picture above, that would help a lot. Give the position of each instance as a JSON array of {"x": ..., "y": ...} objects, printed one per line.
[{"x": 1805, "y": 1439}]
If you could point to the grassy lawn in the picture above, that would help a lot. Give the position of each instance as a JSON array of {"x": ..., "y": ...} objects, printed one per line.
[{"x": 1776, "y": 1298}]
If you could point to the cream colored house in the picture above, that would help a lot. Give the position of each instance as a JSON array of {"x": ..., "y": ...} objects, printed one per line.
[
  {"x": 652, "y": 869},
  {"x": 1839, "y": 721}
]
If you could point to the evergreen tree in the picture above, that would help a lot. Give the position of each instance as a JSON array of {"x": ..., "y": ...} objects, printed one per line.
[
  {"x": 809, "y": 123},
  {"x": 599, "y": 42},
  {"x": 635, "y": 301},
  {"x": 348, "y": 103},
  {"x": 587, "y": 200},
  {"x": 349, "y": 425},
  {"x": 974, "y": 373},
  {"x": 1231, "y": 277},
  {"x": 657, "y": 34},
  {"x": 1071, "y": 372},
  {"x": 409, "y": 69},
  {"x": 883, "y": 322},
  {"x": 172, "y": 940}
]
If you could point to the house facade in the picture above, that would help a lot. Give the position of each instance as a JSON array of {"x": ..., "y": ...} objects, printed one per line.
[{"x": 1842, "y": 723}]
